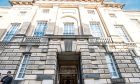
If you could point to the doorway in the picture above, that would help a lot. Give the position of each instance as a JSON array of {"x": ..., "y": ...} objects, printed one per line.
[{"x": 69, "y": 68}]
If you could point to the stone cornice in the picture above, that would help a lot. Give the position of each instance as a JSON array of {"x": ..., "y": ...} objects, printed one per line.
[
  {"x": 112, "y": 4},
  {"x": 68, "y": 3},
  {"x": 22, "y": 2}
]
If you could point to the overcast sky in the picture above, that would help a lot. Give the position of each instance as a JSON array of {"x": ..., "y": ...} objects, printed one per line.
[{"x": 130, "y": 4}]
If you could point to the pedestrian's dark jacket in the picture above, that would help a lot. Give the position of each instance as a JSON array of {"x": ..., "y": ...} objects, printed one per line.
[{"x": 7, "y": 80}]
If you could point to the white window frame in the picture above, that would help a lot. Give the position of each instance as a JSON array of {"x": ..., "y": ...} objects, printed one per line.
[
  {"x": 21, "y": 64},
  {"x": 9, "y": 30},
  {"x": 125, "y": 36},
  {"x": 70, "y": 30},
  {"x": 111, "y": 66},
  {"x": 95, "y": 33},
  {"x": 37, "y": 27}
]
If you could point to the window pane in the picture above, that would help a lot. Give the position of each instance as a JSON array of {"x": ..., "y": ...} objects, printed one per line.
[
  {"x": 114, "y": 74},
  {"x": 40, "y": 29},
  {"x": 111, "y": 66},
  {"x": 22, "y": 70},
  {"x": 96, "y": 29},
  {"x": 22, "y": 67},
  {"x": 23, "y": 75},
  {"x": 12, "y": 31},
  {"x": 20, "y": 75},
  {"x": 120, "y": 31},
  {"x": 68, "y": 29}
]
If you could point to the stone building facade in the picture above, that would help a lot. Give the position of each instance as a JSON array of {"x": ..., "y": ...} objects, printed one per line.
[{"x": 70, "y": 42}]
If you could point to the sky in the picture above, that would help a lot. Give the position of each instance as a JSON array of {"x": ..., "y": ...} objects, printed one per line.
[
  {"x": 4, "y": 3},
  {"x": 129, "y": 4}
]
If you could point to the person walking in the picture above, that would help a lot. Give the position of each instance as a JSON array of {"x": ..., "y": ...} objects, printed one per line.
[{"x": 7, "y": 79}]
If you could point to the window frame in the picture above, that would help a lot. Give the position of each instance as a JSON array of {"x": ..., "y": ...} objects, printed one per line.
[
  {"x": 11, "y": 32},
  {"x": 37, "y": 27},
  {"x": 110, "y": 61},
  {"x": 70, "y": 29},
  {"x": 98, "y": 27},
  {"x": 125, "y": 37},
  {"x": 20, "y": 67}
]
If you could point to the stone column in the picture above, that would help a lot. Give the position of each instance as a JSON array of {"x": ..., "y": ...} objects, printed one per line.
[
  {"x": 50, "y": 67},
  {"x": 89, "y": 70},
  {"x": 51, "y": 63},
  {"x": 52, "y": 21}
]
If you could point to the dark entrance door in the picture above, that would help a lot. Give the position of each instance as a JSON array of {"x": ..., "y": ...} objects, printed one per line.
[{"x": 68, "y": 70}]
